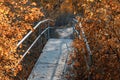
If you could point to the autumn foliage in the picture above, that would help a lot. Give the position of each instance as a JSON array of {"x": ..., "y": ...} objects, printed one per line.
[
  {"x": 16, "y": 19},
  {"x": 100, "y": 20}
]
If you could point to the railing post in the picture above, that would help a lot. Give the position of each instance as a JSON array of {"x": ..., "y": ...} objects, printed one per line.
[
  {"x": 73, "y": 26},
  {"x": 73, "y": 31},
  {"x": 39, "y": 41},
  {"x": 48, "y": 30},
  {"x": 90, "y": 60}
]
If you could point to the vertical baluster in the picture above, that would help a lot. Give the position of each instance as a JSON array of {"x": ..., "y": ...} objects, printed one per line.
[{"x": 48, "y": 30}]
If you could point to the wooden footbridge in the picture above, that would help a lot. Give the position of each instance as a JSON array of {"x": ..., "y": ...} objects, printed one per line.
[{"x": 51, "y": 64}]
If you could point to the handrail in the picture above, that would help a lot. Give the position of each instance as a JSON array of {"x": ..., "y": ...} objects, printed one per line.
[
  {"x": 34, "y": 40},
  {"x": 32, "y": 31},
  {"x": 86, "y": 42},
  {"x": 87, "y": 45},
  {"x": 32, "y": 44},
  {"x": 89, "y": 62}
]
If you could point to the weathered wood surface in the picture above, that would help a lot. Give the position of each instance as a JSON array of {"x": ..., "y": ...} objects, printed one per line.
[{"x": 51, "y": 63}]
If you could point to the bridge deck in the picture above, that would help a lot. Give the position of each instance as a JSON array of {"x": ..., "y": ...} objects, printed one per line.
[{"x": 51, "y": 63}]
